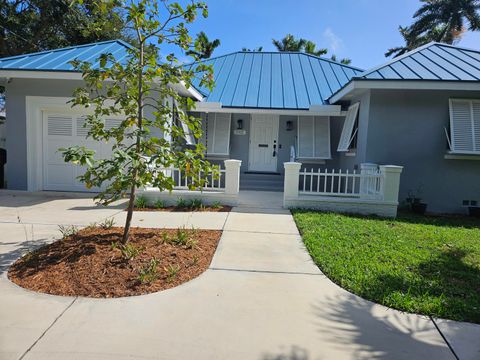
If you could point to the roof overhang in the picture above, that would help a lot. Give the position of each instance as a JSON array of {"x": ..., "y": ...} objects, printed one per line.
[
  {"x": 6, "y": 75},
  {"x": 358, "y": 86},
  {"x": 314, "y": 110}
]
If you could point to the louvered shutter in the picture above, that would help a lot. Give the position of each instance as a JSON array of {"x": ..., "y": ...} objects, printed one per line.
[
  {"x": 305, "y": 136},
  {"x": 188, "y": 136},
  {"x": 218, "y": 134},
  {"x": 348, "y": 125},
  {"x": 462, "y": 120},
  {"x": 476, "y": 125},
  {"x": 112, "y": 123},
  {"x": 314, "y": 137},
  {"x": 81, "y": 129},
  {"x": 322, "y": 137}
]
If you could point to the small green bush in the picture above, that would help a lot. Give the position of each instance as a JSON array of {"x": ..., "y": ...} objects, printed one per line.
[
  {"x": 172, "y": 272},
  {"x": 68, "y": 230},
  {"x": 159, "y": 204},
  {"x": 141, "y": 202},
  {"x": 149, "y": 272}
]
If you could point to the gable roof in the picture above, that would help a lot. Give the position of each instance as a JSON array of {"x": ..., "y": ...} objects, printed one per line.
[
  {"x": 275, "y": 80},
  {"x": 58, "y": 59},
  {"x": 433, "y": 61}
]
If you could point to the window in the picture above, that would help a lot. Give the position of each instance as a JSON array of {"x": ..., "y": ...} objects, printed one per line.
[
  {"x": 464, "y": 126},
  {"x": 314, "y": 137},
  {"x": 216, "y": 133},
  {"x": 349, "y": 129}
]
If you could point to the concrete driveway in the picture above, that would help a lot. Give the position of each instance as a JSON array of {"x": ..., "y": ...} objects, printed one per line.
[{"x": 262, "y": 298}]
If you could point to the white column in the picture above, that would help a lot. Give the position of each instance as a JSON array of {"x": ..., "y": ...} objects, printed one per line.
[
  {"x": 391, "y": 183},
  {"x": 365, "y": 182},
  {"x": 232, "y": 176},
  {"x": 292, "y": 176}
]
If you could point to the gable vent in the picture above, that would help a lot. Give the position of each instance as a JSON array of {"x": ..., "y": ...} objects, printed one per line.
[{"x": 59, "y": 125}]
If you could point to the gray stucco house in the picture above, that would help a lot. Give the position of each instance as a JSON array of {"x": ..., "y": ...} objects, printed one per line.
[{"x": 420, "y": 111}]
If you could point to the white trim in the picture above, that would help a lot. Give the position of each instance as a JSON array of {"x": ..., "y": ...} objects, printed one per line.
[
  {"x": 364, "y": 84},
  {"x": 315, "y": 110},
  {"x": 28, "y": 74},
  {"x": 459, "y": 156}
]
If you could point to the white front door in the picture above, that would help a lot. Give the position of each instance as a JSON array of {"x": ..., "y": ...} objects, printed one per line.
[{"x": 263, "y": 143}]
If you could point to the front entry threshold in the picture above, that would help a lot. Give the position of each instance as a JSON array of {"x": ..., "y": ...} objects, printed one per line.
[{"x": 262, "y": 172}]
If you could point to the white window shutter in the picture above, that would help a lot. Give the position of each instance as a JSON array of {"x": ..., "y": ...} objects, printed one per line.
[
  {"x": 60, "y": 125},
  {"x": 476, "y": 125},
  {"x": 222, "y": 134},
  {"x": 322, "y": 137},
  {"x": 461, "y": 125},
  {"x": 347, "y": 131},
  {"x": 305, "y": 136},
  {"x": 189, "y": 138},
  {"x": 112, "y": 123}
]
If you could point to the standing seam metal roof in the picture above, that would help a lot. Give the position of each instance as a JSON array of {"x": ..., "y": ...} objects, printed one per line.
[
  {"x": 59, "y": 59},
  {"x": 279, "y": 80},
  {"x": 433, "y": 61}
]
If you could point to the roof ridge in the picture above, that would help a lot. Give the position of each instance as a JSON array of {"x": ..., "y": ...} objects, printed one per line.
[
  {"x": 395, "y": 59},
  {"x": 277, "y": 52},
  {"x": 122, "y": 42},
  {"x": 455, "y": 47}
]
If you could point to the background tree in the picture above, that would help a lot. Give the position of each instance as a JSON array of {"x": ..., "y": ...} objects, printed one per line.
[
  {"x": 257, "y": 49},
  {"x": 204, "y": 48},
  {"x": 311, "y": 48},
  {"x": 343, "y": 61},
  {"x": 289, "y": 43},
  {"x": 35, "y": 25},
  {"x": 139, "y": 89},
  {"x": 439, "y": 21}
]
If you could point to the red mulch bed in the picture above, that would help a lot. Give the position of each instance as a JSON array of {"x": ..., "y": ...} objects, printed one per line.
[
  {"x": 86, "y": 264},
  {"x": 223, "y": 208}
]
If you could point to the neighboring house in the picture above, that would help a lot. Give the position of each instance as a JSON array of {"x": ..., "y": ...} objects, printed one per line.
[{"x": 420, "y": 111}]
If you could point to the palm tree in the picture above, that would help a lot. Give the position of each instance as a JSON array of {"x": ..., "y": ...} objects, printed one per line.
[
  {"x": 257, "y": 49},
  {"x": 412, "y": 41},
  {"x": 444, "y": 20},
  {"x": 203, "y": 46},
  {"x": 289, "y": 43},
  {"x": 311, "y": 48},
  {"x": 344, "y": 61}
]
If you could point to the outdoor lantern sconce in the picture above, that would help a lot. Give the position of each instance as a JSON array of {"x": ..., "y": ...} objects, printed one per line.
[
  {"x": 239, "y": 124},
  {"x": 289, "y": 125}
]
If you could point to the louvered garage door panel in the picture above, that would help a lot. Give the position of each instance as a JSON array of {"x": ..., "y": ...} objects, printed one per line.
[{"x": 65, "y": 130}]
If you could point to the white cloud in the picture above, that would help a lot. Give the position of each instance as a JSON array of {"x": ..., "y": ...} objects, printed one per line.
[{"x": 334, "y": 42}]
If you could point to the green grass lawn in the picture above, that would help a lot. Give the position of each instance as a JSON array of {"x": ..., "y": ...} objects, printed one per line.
[{"x": 420, "y": 264}]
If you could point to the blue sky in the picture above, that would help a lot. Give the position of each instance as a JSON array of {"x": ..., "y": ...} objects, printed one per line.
[{"x": 358, "y": 29}]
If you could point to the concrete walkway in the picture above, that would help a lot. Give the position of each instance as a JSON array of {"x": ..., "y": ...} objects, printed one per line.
[{"x": 261, "y": 298}]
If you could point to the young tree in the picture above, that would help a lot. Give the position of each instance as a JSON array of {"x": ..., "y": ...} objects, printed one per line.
[{"x": 141, "y": 90}]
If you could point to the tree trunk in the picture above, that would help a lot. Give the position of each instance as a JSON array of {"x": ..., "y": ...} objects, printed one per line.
[{"x": 131, "y": 201}]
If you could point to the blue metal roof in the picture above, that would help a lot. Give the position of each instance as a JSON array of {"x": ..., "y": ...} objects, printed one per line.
[
  {"x": 58, "y": 59},
  {"x": 434, "y": 61},
  {"x": 283, "y": 80}
]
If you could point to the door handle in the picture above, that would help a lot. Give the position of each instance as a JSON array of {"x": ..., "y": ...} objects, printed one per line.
[
  {"x": 263, "y": 145},
  {"x": 274, "y": 148}
]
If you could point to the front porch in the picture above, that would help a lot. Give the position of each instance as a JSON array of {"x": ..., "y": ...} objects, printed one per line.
[{"x": 372, "y": 190}]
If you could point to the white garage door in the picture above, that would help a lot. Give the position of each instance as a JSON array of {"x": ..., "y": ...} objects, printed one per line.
[{"x": 61, "y": 130}]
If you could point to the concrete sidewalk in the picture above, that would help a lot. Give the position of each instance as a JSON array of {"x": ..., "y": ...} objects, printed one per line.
[{"x": 261, "y": 298}]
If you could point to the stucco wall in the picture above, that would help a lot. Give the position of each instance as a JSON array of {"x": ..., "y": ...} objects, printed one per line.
[{"x": 407, "y": 128}]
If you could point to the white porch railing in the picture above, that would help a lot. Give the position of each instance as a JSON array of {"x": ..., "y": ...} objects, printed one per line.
[
  {"x": 343, "y": 184},
  {"x": 223, "y": 188},
  {"x": 373, "y": 190},
  {"x": 213, "y": 181}
]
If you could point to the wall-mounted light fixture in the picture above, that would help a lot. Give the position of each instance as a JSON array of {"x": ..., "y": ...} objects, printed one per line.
[
  {"x": 239, "y": 124},
  {"x": 289, "y": 125}
]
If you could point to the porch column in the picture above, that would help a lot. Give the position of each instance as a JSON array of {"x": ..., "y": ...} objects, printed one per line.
[
  {"x": 292, "y": 176},
  {"x": 391, "y": 184},
  {"x": 232, "y": 176}
]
